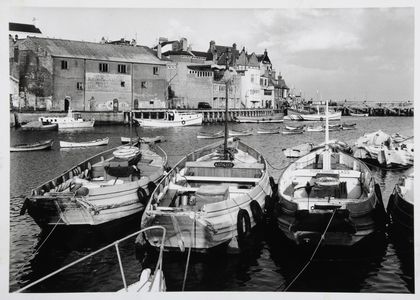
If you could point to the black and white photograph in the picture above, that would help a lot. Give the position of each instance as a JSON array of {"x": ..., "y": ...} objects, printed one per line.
[{"x": 210, "y": 147}]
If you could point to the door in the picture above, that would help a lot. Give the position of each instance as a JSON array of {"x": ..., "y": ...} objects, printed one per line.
[
  {"x": 115, "y": 105},
  {"x": 66, "y": 104}
]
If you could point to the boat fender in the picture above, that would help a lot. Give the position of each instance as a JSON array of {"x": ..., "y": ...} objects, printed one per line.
[
  {"x": 24, "y": 207},
  {"x": 183, "y": 122},
  {"x": 256, "y": 211},
  {"x": 151, "y": 186},
  {"x": 243, "y": 224},
  {"x": 142, "y": 195}
]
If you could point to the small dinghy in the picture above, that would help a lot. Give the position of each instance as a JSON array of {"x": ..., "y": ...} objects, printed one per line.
[
  {"x": 97, "y": 142},
  {"x": 233, "y": 133},
  {"x": 312, "y": 128},
  {"x": 298, "y": 151},
  {"x": 268, "y": 131},
  {"x": 37, "y": 125},
  {"x": 147, "y": 280},
  {"x": 208, "y": 135},
  {"x": 126, "y": 140},
  {"x": 275, "y": 118},
  {"x": 152, "y": 139},
  {"x": 401, "y": 207},
  {"x": 42, "y": 145},
  {"x": 359, "y": 115},
  {"x": 301, "y": 127},
  {"x": 292, "y": 131},
  {"x": 346, "y": 126}
]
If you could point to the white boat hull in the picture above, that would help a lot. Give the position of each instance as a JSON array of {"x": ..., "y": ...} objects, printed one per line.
[
  {"x": 101, "y": 142},
  {"x": 195, "y": 120}
]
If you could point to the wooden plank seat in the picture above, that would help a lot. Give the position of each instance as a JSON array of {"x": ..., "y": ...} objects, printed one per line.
[
  {"x": 221, "y": 179},
  {"x": 313, "y": 172},
  {"x": 210, "y": 164}
]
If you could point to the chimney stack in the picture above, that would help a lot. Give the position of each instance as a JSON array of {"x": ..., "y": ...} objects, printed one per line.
[{"x": 159, "y": 51}]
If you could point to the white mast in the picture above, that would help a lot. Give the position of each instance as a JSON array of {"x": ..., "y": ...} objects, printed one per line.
[{"x": 326, "y": 161}]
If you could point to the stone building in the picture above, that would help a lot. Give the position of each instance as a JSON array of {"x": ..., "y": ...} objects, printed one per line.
[{"x": 91, "y": 76}]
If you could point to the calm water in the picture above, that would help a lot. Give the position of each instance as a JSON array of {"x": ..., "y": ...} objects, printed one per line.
[{"x": 269, "y": 264}]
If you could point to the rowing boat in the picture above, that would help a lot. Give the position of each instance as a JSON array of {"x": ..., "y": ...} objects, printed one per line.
[
  {"x": 94, "y": 143},
  {"x": 42, "y": 145}
]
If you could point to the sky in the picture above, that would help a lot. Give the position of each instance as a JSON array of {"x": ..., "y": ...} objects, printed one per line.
[{"x": 327, "y": 53}]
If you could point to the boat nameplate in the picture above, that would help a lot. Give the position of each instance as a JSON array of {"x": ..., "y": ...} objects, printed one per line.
[{"x": 224, "y": 164}]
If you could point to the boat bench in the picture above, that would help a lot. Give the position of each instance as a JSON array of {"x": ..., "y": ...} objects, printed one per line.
[
  {"x": 239, "y": 170},
  {"x": 221, "y": 179}
]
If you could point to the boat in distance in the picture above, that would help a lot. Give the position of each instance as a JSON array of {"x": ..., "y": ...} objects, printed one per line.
[
  {"x": 173, "y": 118},
  {"x": 71, "y": 121},
  {"x": 41, "y": 145},
  {"x": 329, "y": 197},
  {"x": 275, "y": 118},
  {"x": 292, "y": 131},
  {"x": 311, "y": 115},
  {"x": 209, "y": 198},
  {"x": 154, "y": 139},
  {"x": 94, "y": 143},
  {"x": 359, "y": 114},
  {"x": 37, "y": 125},
  {"x": 220, "y": 134},
  {"x": 400, "y": 207},
  {"x": 112, "y": 185},
  {"x": 268, "y": 131},
  {"x": 148, "y": 281}
]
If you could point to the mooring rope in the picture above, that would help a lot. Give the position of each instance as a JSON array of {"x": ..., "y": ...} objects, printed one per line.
[
  {"x": 313, "y": 254},
  {"x": 39, "y": 248},
  {"x": 189, "y": 255}
]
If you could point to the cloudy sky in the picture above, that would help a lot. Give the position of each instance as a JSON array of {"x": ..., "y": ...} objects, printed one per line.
[{"x": 347, "y": 53}]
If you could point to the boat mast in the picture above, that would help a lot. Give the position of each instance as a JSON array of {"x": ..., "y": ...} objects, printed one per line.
[
  {"x": 226, "y": 76},
  {"x": 326, "y": 163}
]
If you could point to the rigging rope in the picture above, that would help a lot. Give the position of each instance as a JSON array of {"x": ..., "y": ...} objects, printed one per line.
[
  {"x": 313, "y": 254},
  {"x": 189, "y": 254}
]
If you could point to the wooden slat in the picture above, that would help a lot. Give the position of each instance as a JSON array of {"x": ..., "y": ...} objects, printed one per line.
[{"x": 221, "y": 179}]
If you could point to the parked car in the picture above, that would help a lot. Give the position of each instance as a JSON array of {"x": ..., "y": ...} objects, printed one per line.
[{"x": 203, "y": 105}]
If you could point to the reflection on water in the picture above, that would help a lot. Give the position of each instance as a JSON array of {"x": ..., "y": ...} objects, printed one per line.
[{"x": 269, "y": 263}]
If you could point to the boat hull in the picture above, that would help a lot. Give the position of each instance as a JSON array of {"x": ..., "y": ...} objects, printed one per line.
[
  {"x": 101, "y": 142},
  {"x": 32, "y": 147},
  {"x": 38, "y": 126},
  {"x": 195, "y": 120},
  {"x": 296, "y": 115},
  {"x": 264, "y": 119},
  {"x": 202, "y": 230}
]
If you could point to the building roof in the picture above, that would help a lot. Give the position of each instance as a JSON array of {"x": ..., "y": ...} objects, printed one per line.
[
  {"x": 177, "y": 52},
  {"x": 201, "y": 67},
  {"x": 96, "y": 51},
  {"x": 24, "y": 28},
  {"x": 199, "y": 54}
]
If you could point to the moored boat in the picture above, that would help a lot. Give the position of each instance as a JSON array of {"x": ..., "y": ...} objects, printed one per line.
[
  {"x": 209, "y": 135},
  {"x": 233, "y": 133},
  {"x": 400, "y": 207},
  {"x": 37, "y": 125},
  {"x": 313, "y": 128},
  {"x": 292, "y": 131},
  {"x": 301, "y": 127},
  {"x": 148, "y": 280},
  {"x": 313, "y": 114},
  {"x": 94, "y": 143},
  {"x": 126, "y": 140},
  {"x": 173, "y": 118},
  {"x": 41, "y": 145},
  {"x": 71, "y": 121},
  {"x": 212, "y": 196},
  {"x": 268, "y": 131},
  {"x": 359, "y": 114},
  {"x": 330, "y": 197},
  {"x": 112, "y": 185},
  {"x": 298, "y": 151},
  {"x": 275, "y": 118},
  {"x": 346, "y": 126}
]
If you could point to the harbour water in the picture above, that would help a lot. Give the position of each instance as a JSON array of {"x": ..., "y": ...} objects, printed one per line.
[{"x": 269, "y": 264}]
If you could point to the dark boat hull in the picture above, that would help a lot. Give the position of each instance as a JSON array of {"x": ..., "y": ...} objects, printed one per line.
[{"x": 401, "y": 213}]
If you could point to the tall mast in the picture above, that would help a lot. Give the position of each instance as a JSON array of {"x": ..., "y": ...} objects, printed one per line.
[
  {"x": 326, "y": 161},
  {"x": 226, "y": 105}
]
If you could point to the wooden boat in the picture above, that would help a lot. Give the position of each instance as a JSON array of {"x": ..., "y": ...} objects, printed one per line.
[
  {"x": 298, "y": 151},
  {"x": 359, "y": 115},
  {"x": 312, "y": 114},
  {"x": 42, "y": 145},
  {"x": 71, "y": 121},
  {"x": 148, "y": 281},
  {"x": 400, "y": 207},
  {"x": 379, "y": 148},
  {"x": 153, "y": 139},
  {"x": 275, "y": 118},
  {"x": 97, "y": 142},
  {"x": 112, "y": 185},
  {"x": 330, "y": 197},
  {"x": 233, "y": 133},
  {"x": 208, "y": 135},
  {"x": 126, "y": 140},
  {"x": 37, "y": 125},
  {"x": 294, "y": 131},
  {"x": 319, "y": 128},
  {"x": 346, "y": 126},
  {"x": 173, "y": 118},
  {"x": 210, "y": 197},
  {"x": 301, "y": 127},
  {"x": 268, "y": 131}
]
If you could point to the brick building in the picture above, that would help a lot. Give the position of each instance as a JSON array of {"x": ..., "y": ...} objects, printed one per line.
[{"x": 91, "y": 76}]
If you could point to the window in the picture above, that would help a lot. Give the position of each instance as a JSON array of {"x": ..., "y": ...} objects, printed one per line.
[
  {"x": 122, "y": 69},
  {"x": 122, "y": 83},
  {"x": 103, "y": 67},
  {"x": 155, "y": 70},
  {"x": 144, "y": 85},
  {"x": 80, "y": 86},
  {"x": 64, "y": 65}
]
